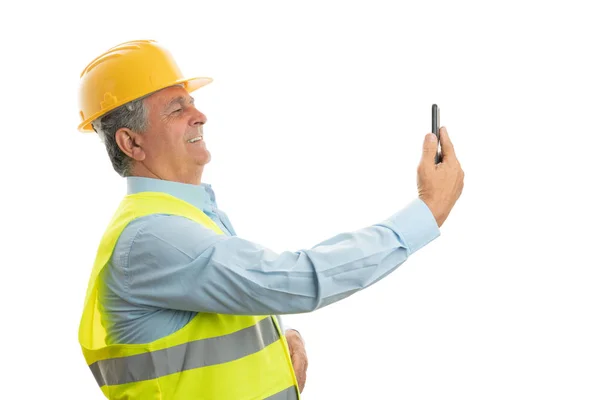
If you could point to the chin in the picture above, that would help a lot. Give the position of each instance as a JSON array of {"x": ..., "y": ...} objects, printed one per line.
[{"x": 206, "y": 159}]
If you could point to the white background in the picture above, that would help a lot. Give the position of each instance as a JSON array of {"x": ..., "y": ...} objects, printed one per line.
[{"x": 316, "y": 118}]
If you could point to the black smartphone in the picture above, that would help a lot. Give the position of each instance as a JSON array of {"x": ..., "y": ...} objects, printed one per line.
[{"x": 435, "y": 128}]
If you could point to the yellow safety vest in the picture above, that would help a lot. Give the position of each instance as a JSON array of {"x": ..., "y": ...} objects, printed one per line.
[{"x": 215, "y": 356}]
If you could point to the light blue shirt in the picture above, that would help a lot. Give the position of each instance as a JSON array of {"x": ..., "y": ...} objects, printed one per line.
[{"x": 165, "y": 268}]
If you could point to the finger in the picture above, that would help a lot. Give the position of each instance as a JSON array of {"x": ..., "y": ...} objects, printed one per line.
[
  {"x": 299, "y": 365},
  {"x": 447, "y": 146},
  {"x": 301, "y": 384},
  {"x": 296, "y": 364},
  {"x": 298, "y": 370},
  {"x": 300, "y": 375},
  {"x": 429, "y": 149}
]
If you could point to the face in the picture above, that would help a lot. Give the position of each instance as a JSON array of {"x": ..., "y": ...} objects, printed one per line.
[{"x": 172, "y": 148}]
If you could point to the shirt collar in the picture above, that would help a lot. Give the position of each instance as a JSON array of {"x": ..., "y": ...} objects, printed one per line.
[{"x": 201, "y": 196}]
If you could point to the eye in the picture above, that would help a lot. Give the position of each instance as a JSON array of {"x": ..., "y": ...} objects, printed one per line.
[{"x": 176, "y": 111}]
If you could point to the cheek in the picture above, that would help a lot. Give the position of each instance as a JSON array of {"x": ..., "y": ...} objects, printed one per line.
[
  {"x": 174, "y": 140},
  {"x": 170, "y": 138},
  {"x": 158, "y": 145},
  {"x": 167, "y": 141}
]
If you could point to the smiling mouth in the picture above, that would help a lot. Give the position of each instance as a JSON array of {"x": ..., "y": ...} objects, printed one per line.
[{"x": 197, "y": 138}]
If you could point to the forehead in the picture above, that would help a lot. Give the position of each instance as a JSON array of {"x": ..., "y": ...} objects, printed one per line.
[{"x": 165, "y": 96}]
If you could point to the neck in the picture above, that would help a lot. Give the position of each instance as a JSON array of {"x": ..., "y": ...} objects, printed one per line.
[{"x": 189, "y": 177}]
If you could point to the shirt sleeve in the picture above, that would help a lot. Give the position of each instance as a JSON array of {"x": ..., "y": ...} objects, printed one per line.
[{"x": 173, "y": 262}]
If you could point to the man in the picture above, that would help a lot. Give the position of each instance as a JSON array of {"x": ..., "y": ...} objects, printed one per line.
[{"x": 178, "y": 306}]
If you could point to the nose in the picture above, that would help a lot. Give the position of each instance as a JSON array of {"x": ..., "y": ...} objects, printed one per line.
[{"x": 198, "y": 118}]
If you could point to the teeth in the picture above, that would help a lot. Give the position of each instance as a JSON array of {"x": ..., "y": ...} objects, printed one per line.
[{"x": 195, "y": 139}]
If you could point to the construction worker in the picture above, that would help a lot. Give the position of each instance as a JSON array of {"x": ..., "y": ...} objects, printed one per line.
[{"x": 178, "y": 306}]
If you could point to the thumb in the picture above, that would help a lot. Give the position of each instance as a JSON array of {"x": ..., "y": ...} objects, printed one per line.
[{"x": 429, "y": 148}]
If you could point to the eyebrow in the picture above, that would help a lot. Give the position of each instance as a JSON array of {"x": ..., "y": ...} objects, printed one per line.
[{"x": 181, "y": 100}]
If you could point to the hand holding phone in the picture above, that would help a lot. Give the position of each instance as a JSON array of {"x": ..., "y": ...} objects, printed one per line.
[
  {"x": 439, "y": 186},
  {"x": 435, "y": 128}
]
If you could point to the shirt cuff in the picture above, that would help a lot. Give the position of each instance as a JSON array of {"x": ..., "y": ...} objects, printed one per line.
[
  {"x": 285, "y": 327},
  {"x": 415, "y": 224}
]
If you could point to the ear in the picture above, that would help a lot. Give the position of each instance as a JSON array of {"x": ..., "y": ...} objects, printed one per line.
[{"x": 130, "y": 143}]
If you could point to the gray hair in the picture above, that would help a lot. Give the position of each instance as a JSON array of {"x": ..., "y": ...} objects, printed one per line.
[{"x": 132, "y": 115}]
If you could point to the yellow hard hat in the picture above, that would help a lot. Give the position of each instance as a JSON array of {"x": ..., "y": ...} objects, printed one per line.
[{"x": 127, "y": 72}]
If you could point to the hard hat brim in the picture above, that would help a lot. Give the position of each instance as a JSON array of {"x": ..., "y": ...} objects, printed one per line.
[{"x": 189, "y": 84}]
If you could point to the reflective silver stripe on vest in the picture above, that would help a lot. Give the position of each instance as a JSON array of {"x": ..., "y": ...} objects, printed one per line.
[
  {"x": 196, "y": 354},
  {"x": 286, "y": 394}
]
